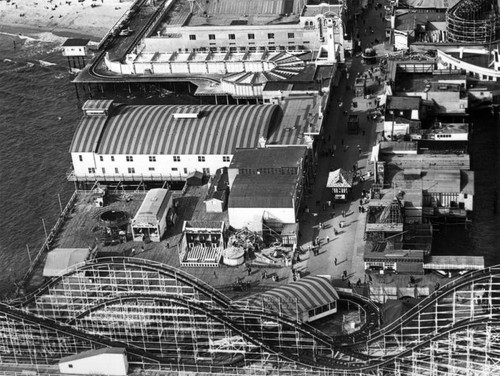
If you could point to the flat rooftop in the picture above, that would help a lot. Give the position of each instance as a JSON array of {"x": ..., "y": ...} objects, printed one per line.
[
  {"x": 419, "y": 82},
  {"x": 233, "y": 13},
  {"x": 481, "y": 60},
  {"x": 411, "y": 19}
]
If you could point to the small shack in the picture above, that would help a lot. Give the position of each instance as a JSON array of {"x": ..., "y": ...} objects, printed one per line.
[
  {"x": 60, "y": 259},
  {"x": 216, "y": 199},
  {"x": 150, "y": 222},
  {"x": 340, "y": 181},
  {"x": 108, "y": 361},
  {"x": 306, "y": 300}
]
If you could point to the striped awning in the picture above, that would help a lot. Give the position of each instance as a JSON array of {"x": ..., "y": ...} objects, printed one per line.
[
  {"x": 153, "y": 130},
  {"x": 297, "y": 297}
]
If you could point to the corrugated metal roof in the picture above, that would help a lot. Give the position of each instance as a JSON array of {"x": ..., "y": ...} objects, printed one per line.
[
  {"x": 303, "y": 295},
  {"x": 60, "y": 259},
  {"x": 153, "y": 208},
  {"x": 87, "y": 135},
  {"x": 101, "y": 104},
  {"x": 263, "y": 191},
  {"x": 272, "y": 157},
  {"x": 153, "y": 130},
  {"x": 403, "y": 103}
]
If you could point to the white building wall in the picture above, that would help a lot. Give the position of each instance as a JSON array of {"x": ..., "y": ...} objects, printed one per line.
[
  {"x": 468, "y": 202},
  {"x": 102, "y": 364},
  {"x": 241, "y": 38},
  {"x": 252, "y": 217},
  {"x": 399, "y": 129},
  {"x": 117, "y": 165},
  {"x": 81, "y": 167}
]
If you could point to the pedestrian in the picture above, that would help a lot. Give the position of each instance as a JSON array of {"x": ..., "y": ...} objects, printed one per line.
[
  {"x": 335, "y": 261},
  {"x": 320, "y": 225},
  {"x": 329, "y": 203},
  {"x": 317, "y": 240},
  {"x": 359, "y": 282},
  {"x": 341, "y": 224},
  {"x": 361, "y": 201},
  {"x": 327, "y": 239},
  {"x": 345, "y": 273},
  {"x": 335, "y": 231},
  {"x": 343, "y": 213},
  {"x": 249, "y": 270},
  {"x": 359, "y": 208}
]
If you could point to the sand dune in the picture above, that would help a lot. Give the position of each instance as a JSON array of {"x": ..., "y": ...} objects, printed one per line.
[{"x": 92, "y": 18}]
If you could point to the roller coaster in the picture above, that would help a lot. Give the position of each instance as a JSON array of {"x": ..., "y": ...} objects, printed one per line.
[{"x": 167, "y": 320}]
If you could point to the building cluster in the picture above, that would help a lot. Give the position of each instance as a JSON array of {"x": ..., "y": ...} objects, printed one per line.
[
  {"x": 421, "y": 166},
  {"x": 465, "y": 33}
]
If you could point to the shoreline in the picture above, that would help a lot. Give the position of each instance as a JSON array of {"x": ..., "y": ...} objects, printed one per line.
[
  {"x": 69, "y": 19},
  {"x": 16, "y": 30}
]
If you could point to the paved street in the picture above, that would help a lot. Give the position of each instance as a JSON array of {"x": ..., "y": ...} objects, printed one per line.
[{"x": 347, "y": 247}]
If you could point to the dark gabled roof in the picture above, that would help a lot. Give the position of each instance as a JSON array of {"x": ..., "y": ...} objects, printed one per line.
[
  {"x": 403, "y": 103},
  {"x": 90, "y": 353},
  {"x": 72, "y": 42},
  {"x": 220, "y": 182},
  {"x": 263, "y": 191},
  {"x": 273, "y": 157}
]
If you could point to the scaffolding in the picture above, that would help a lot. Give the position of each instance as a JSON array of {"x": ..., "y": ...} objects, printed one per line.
[
  {"x": 473, "y": 22},
  {"x": 168, "y": 320}
]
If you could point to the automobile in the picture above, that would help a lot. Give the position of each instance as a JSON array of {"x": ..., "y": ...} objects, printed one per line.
[{"x": 126, "y": 32}]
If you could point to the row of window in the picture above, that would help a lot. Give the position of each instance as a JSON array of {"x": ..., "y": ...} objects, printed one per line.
[
  {"x": 131, "y": 170},
  {"x": 233, "y": 36},
  {"x": 152, "y": 158}
]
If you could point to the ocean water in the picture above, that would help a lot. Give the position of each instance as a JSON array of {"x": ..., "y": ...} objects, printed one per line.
[{"x": 39, "y": 113}]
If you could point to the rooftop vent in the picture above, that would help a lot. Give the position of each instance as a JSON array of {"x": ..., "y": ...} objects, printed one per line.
[{"x": 187, "y": 115}]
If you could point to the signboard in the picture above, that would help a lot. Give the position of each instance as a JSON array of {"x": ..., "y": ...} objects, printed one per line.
[{"x": 400, "y": 40}]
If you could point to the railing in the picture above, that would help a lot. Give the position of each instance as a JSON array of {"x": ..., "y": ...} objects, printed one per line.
[
  {"x": 50, "y": 238},
  {"x": 72, "y": 176}
]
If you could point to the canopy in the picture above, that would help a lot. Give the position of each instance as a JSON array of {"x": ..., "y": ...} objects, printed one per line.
[{"x": 297, "y": 297}]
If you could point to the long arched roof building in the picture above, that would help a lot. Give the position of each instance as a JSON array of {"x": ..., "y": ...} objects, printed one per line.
[
  {"x": 165, "y": 142},
  {"x": 155, "y": 130}
]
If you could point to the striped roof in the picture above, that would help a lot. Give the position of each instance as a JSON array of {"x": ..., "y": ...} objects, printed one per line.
[
  {"x": 154, "y": 130},
  {"x": 100, "y": 104},
  {"x": 87, "y": 134},
  {"x": 306, "y": 294}
]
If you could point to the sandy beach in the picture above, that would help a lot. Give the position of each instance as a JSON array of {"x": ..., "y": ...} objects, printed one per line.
[{"x": 90, "y": 18}]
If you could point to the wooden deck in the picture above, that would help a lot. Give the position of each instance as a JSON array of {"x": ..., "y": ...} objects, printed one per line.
[{"x": 81, "y": 230}]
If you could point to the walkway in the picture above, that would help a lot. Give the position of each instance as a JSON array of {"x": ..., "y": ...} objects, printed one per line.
[{"x": 343, "y": 252}]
